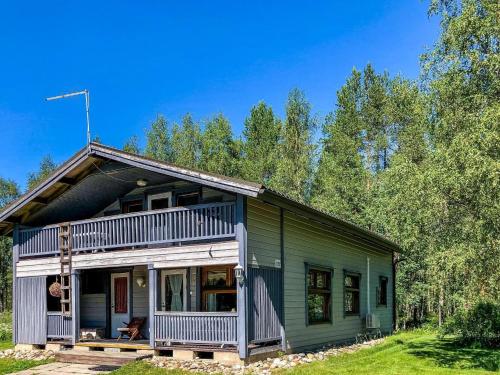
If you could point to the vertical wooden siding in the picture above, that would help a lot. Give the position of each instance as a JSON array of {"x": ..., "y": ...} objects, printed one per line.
[
  {"x": 307, "y": 241},
  {"x": 263, "y": 234},
  {"x": 31, "y": 310},
  {"x": 264, "y": 299}
]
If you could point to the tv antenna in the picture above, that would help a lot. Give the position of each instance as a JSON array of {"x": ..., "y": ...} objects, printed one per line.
[{"x": 87, "y": 107}]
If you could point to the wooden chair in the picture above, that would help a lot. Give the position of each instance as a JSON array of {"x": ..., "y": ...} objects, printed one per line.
[{"x": 132, "y": 329}]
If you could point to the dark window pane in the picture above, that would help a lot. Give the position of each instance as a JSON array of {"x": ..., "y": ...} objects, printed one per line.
[
  {"x": 318, "y": 296},
  {"x": 383, "y": 291},
  {"x": 221, "y": 302},
  {"x": 187, "y": 199},
  {"x": 159, "y": 204},
  {"x": 132, "y": 206},
  {"x": 216, "y": 278}
]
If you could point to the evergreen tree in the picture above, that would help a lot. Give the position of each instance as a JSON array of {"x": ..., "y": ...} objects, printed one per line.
[
  {"x": 132, "y": 145},
  {"x": 340, "y": 185},
  {"x": 293, "y": 175},
  {"x": 260, "y": 145},
  {"x": 47, "y": 166},
  {"x": 159, "y": 145},
  {"x": 219, "y": 151},
  {"x": 186, "y": 143}
]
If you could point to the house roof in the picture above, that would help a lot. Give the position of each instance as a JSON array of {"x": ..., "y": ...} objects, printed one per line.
[{"x": 90, "y": 158}]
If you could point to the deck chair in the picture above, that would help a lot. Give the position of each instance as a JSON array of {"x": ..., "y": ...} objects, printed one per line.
[{"x": 132, "y": 329}]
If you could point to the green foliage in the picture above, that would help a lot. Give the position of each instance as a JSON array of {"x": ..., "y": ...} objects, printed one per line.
[
  {"x": 8, "y": 192},
  {"x": 47, "y": 166},
  {"x": 294, "y": 172},
  {"x": 186, "y": 143},
  {"x": 477, "y": 325},
  {"x": 219, "y": 152},
  {"x": 158, "y": 137},
  {"x": 132, "y": 145},
  {"x": 260, "y": 146}
]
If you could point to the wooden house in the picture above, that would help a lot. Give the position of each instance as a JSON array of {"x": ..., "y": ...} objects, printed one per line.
[{"x": 214, "y": 264}]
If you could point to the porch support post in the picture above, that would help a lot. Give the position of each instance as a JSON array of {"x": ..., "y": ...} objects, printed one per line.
[
  {"x": 75, "y": 306},
  {"x": 15, "y": 258},
  {"x": 152, "y": 303},
  {"x": 241, "y": 236},
  {"x": 282, "y": 255}
]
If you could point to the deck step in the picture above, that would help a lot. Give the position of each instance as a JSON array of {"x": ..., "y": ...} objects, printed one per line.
[{"x": 98, "y": 357}]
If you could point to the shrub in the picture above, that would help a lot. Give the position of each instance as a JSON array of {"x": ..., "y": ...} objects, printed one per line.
[
  {"x": 477, "y": 325},
  {"x": 5, "y": 332}
]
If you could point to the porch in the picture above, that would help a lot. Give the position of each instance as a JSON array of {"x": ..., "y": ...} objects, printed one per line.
[{"x": 184, "y": 308}]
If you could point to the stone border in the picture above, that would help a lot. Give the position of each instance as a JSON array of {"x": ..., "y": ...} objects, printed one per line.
[{"x": 264, "y": 367}]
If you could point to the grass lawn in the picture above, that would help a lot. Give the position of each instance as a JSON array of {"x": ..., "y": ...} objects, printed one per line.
[
  {"x": 402, "y": 354},
  {"x": 408, "y": 353}
]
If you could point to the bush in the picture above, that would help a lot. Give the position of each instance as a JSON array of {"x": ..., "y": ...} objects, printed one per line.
[
  {"x": 5, "y": 327},
  {"x": 477, "y": 325}
]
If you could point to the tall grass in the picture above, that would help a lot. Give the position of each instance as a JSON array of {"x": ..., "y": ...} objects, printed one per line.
[{"x": 5, "y": 326}]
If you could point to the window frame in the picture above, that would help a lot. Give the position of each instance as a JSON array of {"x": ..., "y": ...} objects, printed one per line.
[
  {"x": 358, "y": 290},
  {"x": 164, "y": 195},
  {"x": 227, "y": 289},
  {"x": 309, "y": 267},
  {"x": 379, "y": 291}
]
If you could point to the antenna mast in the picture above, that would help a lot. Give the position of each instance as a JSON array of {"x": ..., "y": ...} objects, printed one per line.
[{"x": 87, "y": 108}]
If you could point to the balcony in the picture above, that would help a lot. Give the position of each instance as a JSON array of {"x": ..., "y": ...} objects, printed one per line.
[{"x": 206, "y": 222}]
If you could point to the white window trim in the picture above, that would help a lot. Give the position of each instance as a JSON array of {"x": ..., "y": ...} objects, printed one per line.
[{"x": 153, "y": 197}]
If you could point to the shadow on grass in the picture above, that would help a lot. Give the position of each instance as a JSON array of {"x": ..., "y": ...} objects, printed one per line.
[{"x": 447, "y": 353}]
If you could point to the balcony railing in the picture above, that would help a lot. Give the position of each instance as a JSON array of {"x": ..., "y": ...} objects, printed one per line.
[
  {"x": 180, "y": 224},
  {"x": 58, "y": 326},
  {"x": 196, "y": 328}
]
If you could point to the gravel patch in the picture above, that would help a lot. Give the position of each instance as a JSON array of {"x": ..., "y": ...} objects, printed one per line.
[{"x": 34, "y": 355}]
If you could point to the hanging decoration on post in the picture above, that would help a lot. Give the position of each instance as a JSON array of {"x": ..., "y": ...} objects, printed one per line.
[{"x": 55, "y": 289}]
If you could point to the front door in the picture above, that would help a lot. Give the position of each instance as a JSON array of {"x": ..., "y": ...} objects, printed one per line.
[
  {"x": 173, "y": 290},
  {"x": 120, "y": 304}
]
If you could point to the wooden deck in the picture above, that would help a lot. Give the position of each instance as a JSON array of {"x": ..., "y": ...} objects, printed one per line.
[
  {"x": 113, "y": 343},
  {"x": 98, "y": 358}
]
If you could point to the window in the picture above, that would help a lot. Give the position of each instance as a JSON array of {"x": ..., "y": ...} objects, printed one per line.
[
  {"x": 160, "y": 201},
  {"x": 382, "y": 291},
  {"x": 132, "y": 206},
  {"x": 218, "y": 288},
  {"x": 351, "y": 293},
  {"x": 319, "y": 295},
  {"x": 189, "y": 199}
]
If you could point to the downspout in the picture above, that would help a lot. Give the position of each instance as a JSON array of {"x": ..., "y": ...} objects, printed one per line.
[{"x": 368, "y": 285}]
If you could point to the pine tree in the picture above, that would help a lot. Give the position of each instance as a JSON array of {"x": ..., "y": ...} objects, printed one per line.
[
  {"x": 219, "y": 151},
  {"x": 47, "y": 166},
  {"x": 260, "y": 144},
  {"x": 340, "y": 185},
  {"x": 186, "y": 143},
  {"x": 132, "y": 145},
  {"x": 158, "y": 144},
  {"x": 293, "y": 175}
]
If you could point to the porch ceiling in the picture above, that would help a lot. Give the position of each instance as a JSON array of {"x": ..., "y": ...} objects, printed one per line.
[{"x": 107, "y": 182}]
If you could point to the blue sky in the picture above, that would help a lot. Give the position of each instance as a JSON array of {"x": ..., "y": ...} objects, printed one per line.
[{"x": 139, "y": 59}]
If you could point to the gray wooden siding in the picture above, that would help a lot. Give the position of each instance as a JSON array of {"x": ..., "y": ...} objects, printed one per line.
[
  {"x": 307, "y": 241},
  {"x": 31, "y": 311},
  {"x": 140, "y": 299},
  {"x": 93, "y": 310},
  {"x": 263, "y": 233},
  {"x": 264, "y": 311}
]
